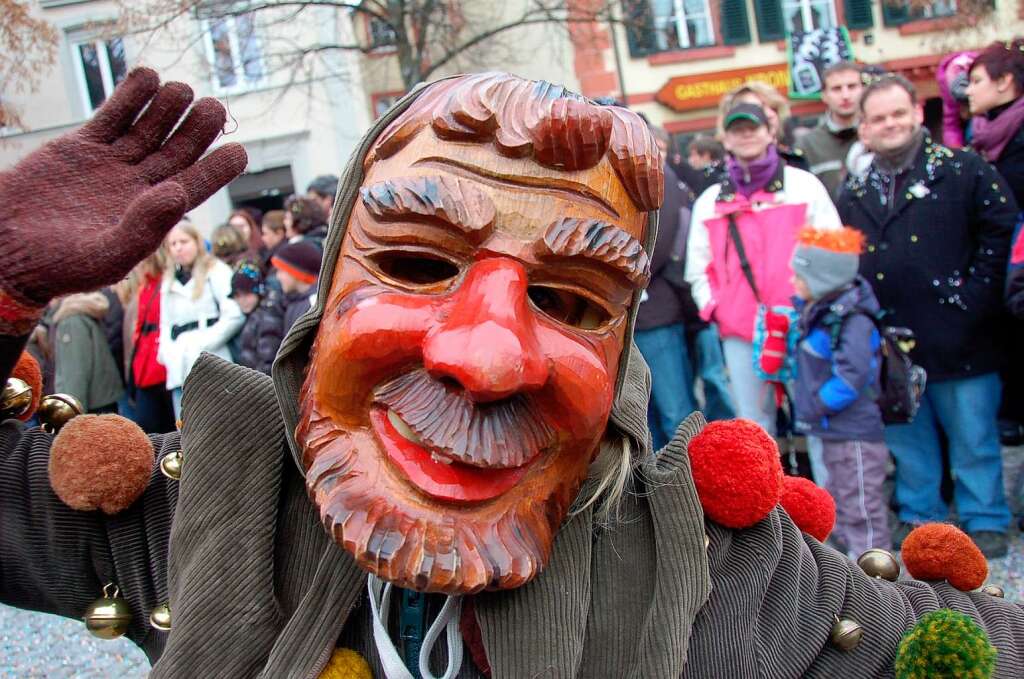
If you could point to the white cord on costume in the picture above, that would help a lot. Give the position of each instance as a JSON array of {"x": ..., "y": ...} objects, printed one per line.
[{"x": 390, "y": 660}]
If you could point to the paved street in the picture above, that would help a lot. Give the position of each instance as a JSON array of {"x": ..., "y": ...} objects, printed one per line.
[{"x": 38, "y": 645}]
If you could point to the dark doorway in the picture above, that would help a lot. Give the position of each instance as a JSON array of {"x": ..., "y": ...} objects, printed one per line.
[{"x": 264, "y": 190}]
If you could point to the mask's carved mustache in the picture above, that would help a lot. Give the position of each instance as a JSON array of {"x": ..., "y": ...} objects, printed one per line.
[{"x": 503, "y": 434}]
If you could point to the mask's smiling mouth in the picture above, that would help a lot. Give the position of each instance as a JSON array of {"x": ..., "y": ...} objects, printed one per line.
[{"x": 434, "y": 472}]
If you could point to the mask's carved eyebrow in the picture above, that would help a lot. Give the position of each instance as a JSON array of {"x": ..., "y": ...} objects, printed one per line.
[
  {"x": 597, "y": 240},
  {"x": 450, "y": 200}
]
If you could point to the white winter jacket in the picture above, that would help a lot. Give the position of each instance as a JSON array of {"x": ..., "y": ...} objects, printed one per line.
[{"x": 218, "y": 316}]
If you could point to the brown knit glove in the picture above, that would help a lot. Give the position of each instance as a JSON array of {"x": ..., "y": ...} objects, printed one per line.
[{"x": 82, "y": 210}]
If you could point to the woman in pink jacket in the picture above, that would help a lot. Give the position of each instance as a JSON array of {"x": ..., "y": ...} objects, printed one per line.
[{"x": 743, "y": 231}]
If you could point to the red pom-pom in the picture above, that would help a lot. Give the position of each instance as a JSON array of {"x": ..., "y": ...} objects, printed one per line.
[
  {"x": 939, "y": 551},
  {"x": 737, "y": 472},
  {"x": 100, "y": 462},
  {"x": 811, "y": 507},
  {"x": 27, "y": 370}
]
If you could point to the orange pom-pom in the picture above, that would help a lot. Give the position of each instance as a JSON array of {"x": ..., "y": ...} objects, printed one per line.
[
  {"x": 27, "y": 370},
  {"x": 811, "y": 507},
  {"x": 736, "y": 470},
  {"x": 939, "y": 551},
  {"x": 845, "y": 239},
  {"x": 100, "y": 462}
]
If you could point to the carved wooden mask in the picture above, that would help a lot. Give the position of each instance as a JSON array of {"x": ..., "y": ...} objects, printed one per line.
[{"x": 464, "y": 369}]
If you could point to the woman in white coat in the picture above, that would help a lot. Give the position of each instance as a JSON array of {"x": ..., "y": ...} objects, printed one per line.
[{"x": 196, "y": 312}]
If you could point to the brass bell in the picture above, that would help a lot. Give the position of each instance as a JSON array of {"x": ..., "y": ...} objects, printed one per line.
[
  {"x": 993, "y": 590},
  {"x": 170, "y": 465},
  {"x": 16, "y": 399},
  {"x": 160, "y": 618},
  {"x": 56, "y": 410},
  {"x": 109, "y": 617},
  {"x": 879, "y": 563},
  {"x": 846, "y": 634}
]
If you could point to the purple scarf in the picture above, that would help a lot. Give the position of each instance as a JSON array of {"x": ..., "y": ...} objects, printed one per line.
[
  {"x": 756, "y": 175},
  {"x": 990, "y": 137}
]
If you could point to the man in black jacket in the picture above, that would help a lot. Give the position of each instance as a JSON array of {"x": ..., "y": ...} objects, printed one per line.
[{"x": 938, "y": 224}]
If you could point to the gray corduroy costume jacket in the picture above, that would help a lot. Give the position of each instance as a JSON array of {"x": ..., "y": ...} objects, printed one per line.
[{"x": 257, "y": 589}]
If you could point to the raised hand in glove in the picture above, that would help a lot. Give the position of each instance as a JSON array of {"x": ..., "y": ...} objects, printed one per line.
[{"x": 81, "y": 211}]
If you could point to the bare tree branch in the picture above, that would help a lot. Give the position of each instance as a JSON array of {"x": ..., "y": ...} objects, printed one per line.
[{"x": 427, "y": 35}]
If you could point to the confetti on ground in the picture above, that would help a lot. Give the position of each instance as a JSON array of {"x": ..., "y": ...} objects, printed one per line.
[{"x": 39, "y": 645}]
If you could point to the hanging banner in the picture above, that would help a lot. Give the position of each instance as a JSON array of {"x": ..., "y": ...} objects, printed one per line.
[{"x": 810, "y": 53}]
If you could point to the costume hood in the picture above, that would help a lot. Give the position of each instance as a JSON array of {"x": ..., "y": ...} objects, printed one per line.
[{"x": 629, "y": 411}]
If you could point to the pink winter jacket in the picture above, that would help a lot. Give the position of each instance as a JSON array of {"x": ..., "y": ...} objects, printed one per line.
[{"x": 768, "y": 224}]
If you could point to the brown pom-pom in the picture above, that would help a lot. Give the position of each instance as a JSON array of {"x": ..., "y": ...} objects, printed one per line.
[
  {"x": 27, "y": 370},
  {"x": 100, "y": 462},
  {"x": 939, "y": 551}
]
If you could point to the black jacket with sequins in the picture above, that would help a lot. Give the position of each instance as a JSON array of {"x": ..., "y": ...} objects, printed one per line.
[{"x": 936, "y": 254}]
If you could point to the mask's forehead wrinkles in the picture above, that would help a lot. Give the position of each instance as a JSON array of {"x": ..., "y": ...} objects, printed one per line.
[{"x": 527, "y": 196}]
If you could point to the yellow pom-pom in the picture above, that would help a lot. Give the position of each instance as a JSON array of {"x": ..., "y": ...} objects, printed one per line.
[{"x": 346, "y": 664}]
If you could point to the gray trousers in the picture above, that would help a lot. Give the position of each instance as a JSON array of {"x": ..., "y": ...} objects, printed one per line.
[{"x": 856, "y": 474}]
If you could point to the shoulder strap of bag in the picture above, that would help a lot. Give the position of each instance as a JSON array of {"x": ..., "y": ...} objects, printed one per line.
[{"x": 741, "y": 252}]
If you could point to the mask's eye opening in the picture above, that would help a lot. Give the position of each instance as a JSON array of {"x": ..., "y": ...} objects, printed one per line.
[
  {"x": 568, "y": 307},
  {"x": 413, "y": 268}
]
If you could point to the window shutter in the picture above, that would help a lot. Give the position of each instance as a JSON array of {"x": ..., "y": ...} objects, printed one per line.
[
  {"x": 858, "y": 14},
  {"x": 735, "y": 24},
  {"x": 895, "y": 12},
  {"x": 770, "y": 24},
  {"x": 639, "y": 21}
]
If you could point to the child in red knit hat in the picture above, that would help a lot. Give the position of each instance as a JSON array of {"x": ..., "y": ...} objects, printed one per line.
[{"x": 838, "y": 364}]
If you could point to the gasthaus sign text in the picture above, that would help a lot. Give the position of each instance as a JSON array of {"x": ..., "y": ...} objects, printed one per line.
[{"x": 687, "y": 92}]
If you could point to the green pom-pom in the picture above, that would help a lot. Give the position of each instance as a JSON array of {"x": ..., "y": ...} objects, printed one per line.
[{"x": 945, "y": 643}]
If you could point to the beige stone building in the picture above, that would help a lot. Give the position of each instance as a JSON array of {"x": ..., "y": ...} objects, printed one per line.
[{"x": 296, "y": 120}]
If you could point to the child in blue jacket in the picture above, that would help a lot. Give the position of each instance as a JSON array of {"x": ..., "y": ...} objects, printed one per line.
[{"x": 838, "y": 364}]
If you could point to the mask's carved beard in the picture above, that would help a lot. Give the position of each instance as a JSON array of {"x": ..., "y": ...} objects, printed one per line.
[{"x": 405, "y": 538}]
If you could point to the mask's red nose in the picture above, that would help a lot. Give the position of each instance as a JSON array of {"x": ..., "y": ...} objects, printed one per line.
[{"x": 488, "y": 342}]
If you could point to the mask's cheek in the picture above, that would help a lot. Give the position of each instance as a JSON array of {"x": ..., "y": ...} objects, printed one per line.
[
  {"x": 361, "y": 345},
  {"x": 578, "y": 398}
]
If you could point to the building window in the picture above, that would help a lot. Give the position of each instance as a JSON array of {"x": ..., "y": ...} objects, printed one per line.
[
  {"x": 382, "y": 35},
  {"x": 932, "y": 10},
  {"x": 234, "y": 50},
  {"x": 807, "y": 15},
  {"x": 666, "y": 25},
  {"x": 896, "y": 13},
  {"x": 680, "y": 24},
  {"x": 100, "y": 65}
]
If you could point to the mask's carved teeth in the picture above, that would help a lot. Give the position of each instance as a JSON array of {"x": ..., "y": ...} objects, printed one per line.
[{"x": 404, "y": 430}]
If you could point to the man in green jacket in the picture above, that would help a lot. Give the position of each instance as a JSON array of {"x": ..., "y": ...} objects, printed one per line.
[
  {"x": 462, "y": 410},
  {"x": 827, "y": 146}
]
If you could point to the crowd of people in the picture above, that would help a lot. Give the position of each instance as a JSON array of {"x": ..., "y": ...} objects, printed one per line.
[
  {"x": 781, "y": 258},
  {"x": 128, "y": 349},
  {"x": 797, "y": 263}
]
